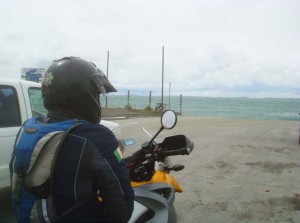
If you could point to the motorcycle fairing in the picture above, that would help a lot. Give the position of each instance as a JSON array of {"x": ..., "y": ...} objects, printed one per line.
[
  {"x": 159, "y": 199},
  {"x": 160, "y": 177},
  {"x": 139, "y": 210}
]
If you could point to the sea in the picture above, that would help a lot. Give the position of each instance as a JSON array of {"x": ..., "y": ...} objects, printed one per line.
[{"x": 241, "y": 107}]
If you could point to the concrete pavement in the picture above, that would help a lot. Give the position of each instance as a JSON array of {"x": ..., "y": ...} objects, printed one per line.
[{"x": 239, "y": 171}]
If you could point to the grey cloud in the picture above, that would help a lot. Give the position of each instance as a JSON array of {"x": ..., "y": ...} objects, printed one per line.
[{"x": 208, "y": 44}]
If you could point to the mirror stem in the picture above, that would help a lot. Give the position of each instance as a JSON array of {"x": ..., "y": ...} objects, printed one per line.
[
  {"x": 150, "y": 142},
  {"x": 161, "y": 128}
]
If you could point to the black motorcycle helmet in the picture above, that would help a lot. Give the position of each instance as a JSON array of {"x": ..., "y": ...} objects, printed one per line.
[{"x": 73, "y": 85}]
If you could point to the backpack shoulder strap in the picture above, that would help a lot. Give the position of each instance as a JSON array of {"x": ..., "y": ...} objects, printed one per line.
[
  {"x": 37, "y": 179},
  {"x": 13, "y": 154},
  {"x": 42, "y": 187}
]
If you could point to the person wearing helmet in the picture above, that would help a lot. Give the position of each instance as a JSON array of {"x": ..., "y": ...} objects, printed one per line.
[{"x": 89, "y": 180}]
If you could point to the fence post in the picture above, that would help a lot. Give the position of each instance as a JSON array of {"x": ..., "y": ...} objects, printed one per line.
[
  {"x": 150, "y": 99},
  {"x": 128, "y": 98},
  {"x": 180, "y": 102}
]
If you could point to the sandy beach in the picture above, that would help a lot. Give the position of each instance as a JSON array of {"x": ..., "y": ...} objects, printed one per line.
[{"x": 240, "y": 170}]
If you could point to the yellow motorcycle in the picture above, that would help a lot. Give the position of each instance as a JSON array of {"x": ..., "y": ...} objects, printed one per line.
[{"x": 149, "y": 168}]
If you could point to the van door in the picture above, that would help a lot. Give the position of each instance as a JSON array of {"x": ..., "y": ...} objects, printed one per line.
[{"x": 10, "y": 123}]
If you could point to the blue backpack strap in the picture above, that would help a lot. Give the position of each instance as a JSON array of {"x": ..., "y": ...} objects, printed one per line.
[
  {"x": 13, "y": 154},
  {"x": 17, "y": 187},
  {"x": 45, "y": 206}
]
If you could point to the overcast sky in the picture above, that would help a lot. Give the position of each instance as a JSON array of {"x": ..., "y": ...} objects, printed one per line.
[{"x": 247, "y": 48}]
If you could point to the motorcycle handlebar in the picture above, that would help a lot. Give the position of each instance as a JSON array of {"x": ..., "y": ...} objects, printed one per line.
[
  {"x": 163, "y": 153},
  {"x": 183, "y": 151}
]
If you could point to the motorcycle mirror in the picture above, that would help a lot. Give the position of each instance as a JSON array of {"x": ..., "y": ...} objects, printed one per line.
[{"x": 168, "y": 119}]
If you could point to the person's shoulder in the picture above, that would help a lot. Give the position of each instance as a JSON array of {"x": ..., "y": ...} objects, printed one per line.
[
  {"x": 90, "y": 129},
  {"x": 96, "y": 127},
  {"x": 99, "y": 135}
]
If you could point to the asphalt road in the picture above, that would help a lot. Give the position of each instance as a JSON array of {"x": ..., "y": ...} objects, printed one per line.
[{"x": 239, "y": 171}]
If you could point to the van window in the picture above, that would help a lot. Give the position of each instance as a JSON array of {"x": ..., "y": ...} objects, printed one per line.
[
  {"x": 9, "y": 107},
  {"x": 36, "y": 103}
]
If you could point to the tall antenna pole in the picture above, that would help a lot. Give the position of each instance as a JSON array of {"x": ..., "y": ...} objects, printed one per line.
[
  {"x": 162, "y": 80},
  {"x": 107, "y": 74}
]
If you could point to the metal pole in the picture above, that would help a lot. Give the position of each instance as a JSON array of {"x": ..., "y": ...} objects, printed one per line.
[
  {"x": 162, "y": 80},
  {"x": 107, "y": 74}
]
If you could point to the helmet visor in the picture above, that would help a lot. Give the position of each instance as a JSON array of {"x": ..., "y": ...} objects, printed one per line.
[{"x": 101, "y": 84}]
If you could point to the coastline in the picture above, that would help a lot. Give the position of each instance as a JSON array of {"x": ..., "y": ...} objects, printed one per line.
[
  {"x": 115, "y": 113},
  {"x": 109, "y": 113},
  {"x": 248, "y": 108}
]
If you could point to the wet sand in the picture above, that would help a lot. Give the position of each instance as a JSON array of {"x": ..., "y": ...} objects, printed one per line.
[{"x": 240, "y": 170}]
